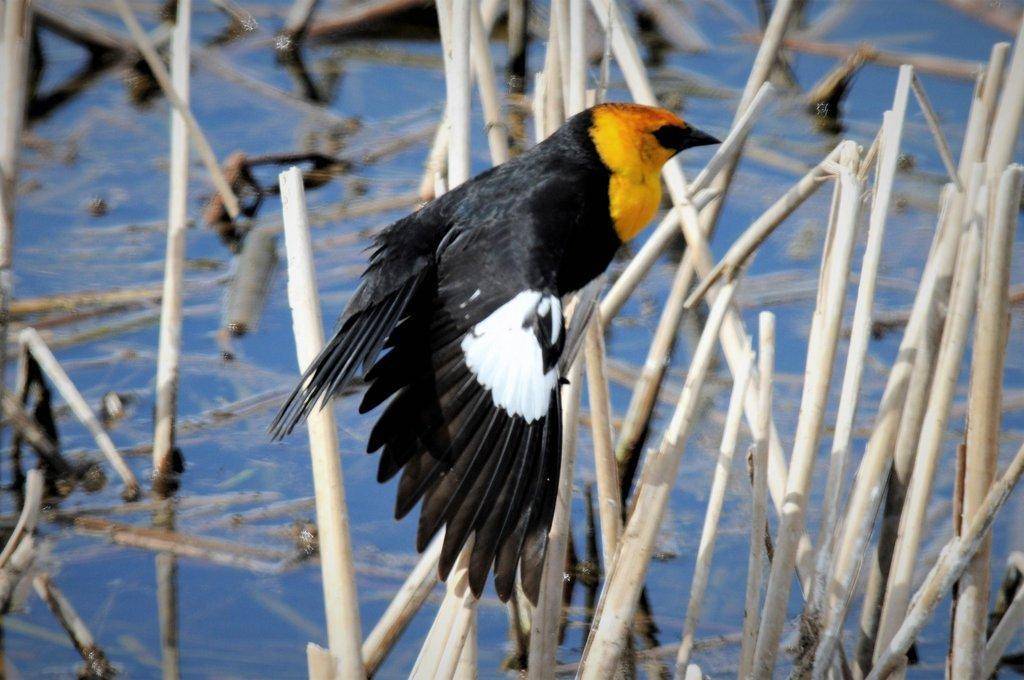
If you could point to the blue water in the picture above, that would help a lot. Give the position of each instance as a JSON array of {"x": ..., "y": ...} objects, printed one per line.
[{"x": 100, "y": 145}]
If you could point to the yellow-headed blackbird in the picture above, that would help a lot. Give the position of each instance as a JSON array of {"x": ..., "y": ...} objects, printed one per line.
[{"x": 458, "y": 322}]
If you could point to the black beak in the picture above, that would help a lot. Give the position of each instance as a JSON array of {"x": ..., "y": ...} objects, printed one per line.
[
  {"x": 695, "y": 137},
  {"x": 679, "y": 138}
]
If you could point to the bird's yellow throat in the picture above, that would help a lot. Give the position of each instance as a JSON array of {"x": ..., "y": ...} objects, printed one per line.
[{"x": 623, "y": 139}]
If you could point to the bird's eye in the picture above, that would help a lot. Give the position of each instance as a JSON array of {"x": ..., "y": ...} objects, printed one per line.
[{"x": 671, "y": 137}]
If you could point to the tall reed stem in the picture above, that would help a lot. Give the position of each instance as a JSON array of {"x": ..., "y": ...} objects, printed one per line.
[{"x": 337, "y": 570}]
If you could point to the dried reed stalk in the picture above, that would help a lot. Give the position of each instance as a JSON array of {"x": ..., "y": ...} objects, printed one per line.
[
  {"x": 953, "y": 560},
  {"x": 487, "y": 86},
  {"x": 545, "y": 618},
  {"x": 609, "y": 507},
  {"x": 759, "y": 497},
  {"x": 890, "y": 138},
  {"x": 925, "y": 63},
  {"x": 709, "y": 532},
  {"x": 947, "y": 368},
  {"x": 626, "y": 574},
  {"x": 764, "y": 62},
  {"x": 912, "y": 373},
  {"x": 908, "y": 369},
  {"x": 648, "y": 384},
  {"x": 336, "y": 567},
  {"x": 195, "y": 133},
  {"x": 299, "y": 16},
  {"x": 168, "y": 354},
  {"x": 27, "y": 518},
  {"x": 16, "y": 36},
  {"x": 53, "y": 370},
  {"x": 760, "y": 229},
  {"x": 1007, "y": 122},
  {"x": 96, "y": 663},
  {"x": 821, "y": 349},
  {"x": 442, "y": 648},
  {"x": 984, "y": 404}
]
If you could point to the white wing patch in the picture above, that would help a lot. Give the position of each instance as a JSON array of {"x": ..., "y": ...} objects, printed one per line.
[{"x": 506, "y": 358}]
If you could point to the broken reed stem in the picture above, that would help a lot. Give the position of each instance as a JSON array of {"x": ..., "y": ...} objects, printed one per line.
[
  {"x": 947, "y": 369},
  {"x": 577, "y": 74},
  {"x": 609, "y": 501},
  {"x": 458, "y": 90},
  {"x": 890, "y": 138},
  {"x": 298, "y": 19},
  {"x": 403, "y": 607},
  {"x": 546, "y": 616},
  {"x": 759, "y": 498},
  {"x": 53, "y": 370},
  {"x": 952, "y": 561},
  {"x": 14, "y": 49},
  {"x": 821, "y": 350},
  {"x": 156, "y": 66},
  {"x": 336, "y": 567},
  {"x": 1008, "y": 625},
  {"x": 490, "y": 102},
  {"x": 983, "y": 419},
  {"x": 626, "y": 574},
  {"x": 706, "y": 548},
  {"x": 96, "y": 663},
  {"x": 169, "y": 351}
]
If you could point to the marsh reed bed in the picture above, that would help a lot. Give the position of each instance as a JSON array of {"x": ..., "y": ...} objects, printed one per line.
[{"x": 827, "y": 462}]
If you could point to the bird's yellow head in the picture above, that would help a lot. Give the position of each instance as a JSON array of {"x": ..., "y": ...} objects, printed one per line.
[{"x": 634, "y": 141}]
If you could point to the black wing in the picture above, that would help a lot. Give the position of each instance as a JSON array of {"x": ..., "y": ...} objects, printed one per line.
[
  {"x": 474, "y": 421},
  {"x": 400, "y": 271}
]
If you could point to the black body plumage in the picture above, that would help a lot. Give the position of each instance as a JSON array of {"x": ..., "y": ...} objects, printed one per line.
[{"x": 539, "y": 223}]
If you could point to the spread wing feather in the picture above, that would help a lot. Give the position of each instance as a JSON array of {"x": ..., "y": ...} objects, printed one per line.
[
  {"x": 356, "y": 343},
  {"x": 474, "y": 426}
]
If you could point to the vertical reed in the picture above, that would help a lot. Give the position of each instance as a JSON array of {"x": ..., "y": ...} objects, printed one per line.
[
  {"x": 821, "y": 349},
  {"x": 889, "y": 144},
  {"x": 626, "y": 575},
  {"x": 13, "y": 73},
  {"x": 947, "y": 368},
  {"x": 759, "y": 498},
  {"x": 706, "y": 548},
  {"x": 336, "y": 567},
  {"x": 169, "y": 351}
]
